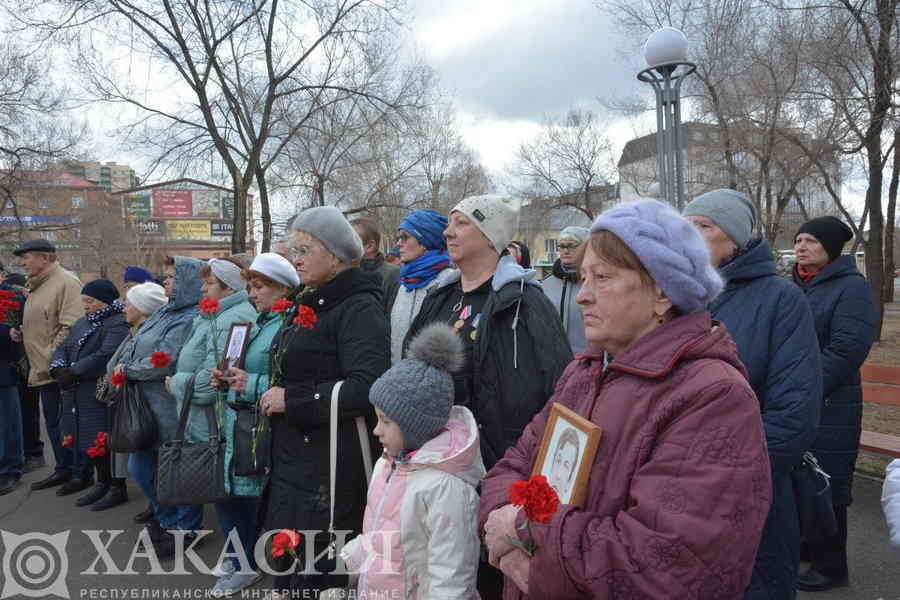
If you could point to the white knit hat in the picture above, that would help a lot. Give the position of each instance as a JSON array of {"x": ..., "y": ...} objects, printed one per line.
[
  {"x": 147, "y": 297},
  {"x": 277, "y": 268},
  {"x": 496, "y": 216}
]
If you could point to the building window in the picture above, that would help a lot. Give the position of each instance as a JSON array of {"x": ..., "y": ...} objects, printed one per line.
[
  {"x": 550, "y": 245},
  {"x": 76, "y": 233},
  {"x": 50, "y": 236},
  {"x": 77, "y": 202},
  {"x": 44, "y": 203},
  {"x": 75, "y": 262},
  {"x": 10, "y": 204}
]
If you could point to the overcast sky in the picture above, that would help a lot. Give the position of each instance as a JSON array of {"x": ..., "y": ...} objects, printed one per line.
[{"x": 510, "y": 63}]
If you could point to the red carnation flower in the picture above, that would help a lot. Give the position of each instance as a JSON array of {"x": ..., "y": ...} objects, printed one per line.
[
  {"x": 306, "y": 317},
  {"x": 209, "y": 305},
  {"x": 3, "y": 315},
  {"x": 285, "y": 540},
  {"x": 281, "y": 306},
  {"x": 117, "y": 379},
  {"x": 6, "y": 304},
  {"x": 101, "y": 438},
  {"x": 537, "y": 497},
  {"x": 68, "y": 441},
  {"x": 160, "y": 359},
  {"x": 95, "y": 451},
  {"x": 7, "y": 294}
]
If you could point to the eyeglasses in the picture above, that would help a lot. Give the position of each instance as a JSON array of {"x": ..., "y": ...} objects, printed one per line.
[
  {"x": 567, "y": 246},
  {"x": 297, "y": 252}
]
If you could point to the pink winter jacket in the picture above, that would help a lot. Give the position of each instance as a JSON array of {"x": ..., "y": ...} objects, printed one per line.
[
  {"x": 426, "y": 509},
  {"x": 680, "y": 487}
]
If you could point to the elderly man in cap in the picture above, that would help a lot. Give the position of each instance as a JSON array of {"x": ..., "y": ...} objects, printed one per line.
[
  {"x": 54, "y": 304},
  {"x": 562, "y": 285}
]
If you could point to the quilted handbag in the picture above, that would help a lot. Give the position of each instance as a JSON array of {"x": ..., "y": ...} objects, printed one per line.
[{"x": 191, "y": 472}]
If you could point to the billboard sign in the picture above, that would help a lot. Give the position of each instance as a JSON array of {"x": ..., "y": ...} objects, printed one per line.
[
  {"x": 32, "y": 220},
  {"x": 206, "y": 203},
  {"x": 222, "y": 228},
  {"x": 228, "y": 207},
  {"x": 149, "y": 227},
  {"x": 172, "y": 203},
  {"x": 138, "y": 204},
  {"x": 188, "y": 229}
]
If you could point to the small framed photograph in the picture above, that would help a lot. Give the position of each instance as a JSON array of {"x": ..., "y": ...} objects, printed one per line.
[
  {"x": 567, "y": 453},
  {"x": 236, "y": 345}
]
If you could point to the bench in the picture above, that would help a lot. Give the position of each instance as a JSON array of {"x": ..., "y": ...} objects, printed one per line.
[{"x": 880, "y": 385}]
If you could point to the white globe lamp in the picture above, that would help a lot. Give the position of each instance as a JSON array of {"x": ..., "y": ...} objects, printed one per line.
[{"x": 665, "y": 47}]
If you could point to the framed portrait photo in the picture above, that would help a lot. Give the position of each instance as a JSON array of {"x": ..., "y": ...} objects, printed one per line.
[
  {"x": 567, "y": 453},
  {"x": 236, "y": 345}
]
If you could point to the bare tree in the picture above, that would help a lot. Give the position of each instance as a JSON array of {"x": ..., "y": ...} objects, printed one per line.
[
  {"x": 568, "y": 160},
  {"x": 224, "y": 67}
]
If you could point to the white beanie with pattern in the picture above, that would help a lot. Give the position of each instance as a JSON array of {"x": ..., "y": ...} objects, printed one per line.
[{"x": 496, "y": 216}]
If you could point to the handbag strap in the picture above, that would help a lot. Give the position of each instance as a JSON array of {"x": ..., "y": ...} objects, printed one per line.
[
  {"x": 185, "y": 408},
  {"x": 363, "y": 432}
]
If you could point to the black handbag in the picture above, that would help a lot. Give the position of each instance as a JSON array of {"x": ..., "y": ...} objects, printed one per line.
[
  {"x": 191, "y": 472},
  {"x": 246, "y": 461},
  {"x": 133, "y": 426},
  {"x": 812, "y": 489}
]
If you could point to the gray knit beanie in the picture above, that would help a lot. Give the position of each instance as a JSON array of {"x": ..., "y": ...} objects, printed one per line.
[
  {"x": 417, "y": 392},
  {"x": 329, "y": 225},
  {"x": 731, "y": 210}
]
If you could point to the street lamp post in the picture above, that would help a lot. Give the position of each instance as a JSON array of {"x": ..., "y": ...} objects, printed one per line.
[{"x": 666, "y": 55}]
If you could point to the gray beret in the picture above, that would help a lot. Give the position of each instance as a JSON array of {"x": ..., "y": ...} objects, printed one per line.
[{"x": 329, "y": 225}]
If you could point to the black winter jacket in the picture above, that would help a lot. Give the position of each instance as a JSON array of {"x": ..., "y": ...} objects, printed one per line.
[
  {"x": 349, "y": 343},
  {"x": 520, "y": 352},
  {"x": 844, "y": 311}
]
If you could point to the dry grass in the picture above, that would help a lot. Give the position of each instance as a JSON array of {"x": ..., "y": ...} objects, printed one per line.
[{"x": 877, "y": 417}]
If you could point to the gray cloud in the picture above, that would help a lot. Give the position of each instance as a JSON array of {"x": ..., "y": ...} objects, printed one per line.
[{"x": 533, "y": 65}]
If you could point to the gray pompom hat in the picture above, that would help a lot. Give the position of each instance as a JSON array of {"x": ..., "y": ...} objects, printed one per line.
[{"x": 417, "y": 392}]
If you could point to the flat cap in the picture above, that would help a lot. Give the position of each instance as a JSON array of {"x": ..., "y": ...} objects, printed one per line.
[{"x": 35, "y": 246}]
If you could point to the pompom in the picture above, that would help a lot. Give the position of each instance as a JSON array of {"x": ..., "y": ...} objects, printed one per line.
[{"x": 439, "y": 346}]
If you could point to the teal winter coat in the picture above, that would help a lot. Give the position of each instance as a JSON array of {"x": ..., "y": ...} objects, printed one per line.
[
  {"x": 256, "y": 363},
  {"x": 198, "y": 357},
  {"x": 164, "y": 331}
]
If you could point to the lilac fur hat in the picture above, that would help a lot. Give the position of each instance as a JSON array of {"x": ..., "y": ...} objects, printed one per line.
[{"x": 670, "y": 249}]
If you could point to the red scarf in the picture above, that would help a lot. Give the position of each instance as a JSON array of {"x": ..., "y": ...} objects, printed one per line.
[{"x": 807, "y": 274}]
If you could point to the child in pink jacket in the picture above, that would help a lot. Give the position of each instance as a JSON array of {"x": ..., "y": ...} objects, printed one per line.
[{"x": 420, "y": 537}]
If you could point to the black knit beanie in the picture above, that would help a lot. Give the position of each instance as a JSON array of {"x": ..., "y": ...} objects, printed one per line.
[{"x": 831, "y": 232}]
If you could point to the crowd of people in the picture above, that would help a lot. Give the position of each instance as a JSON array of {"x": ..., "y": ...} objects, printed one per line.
[{"x": 447, "y": 363}]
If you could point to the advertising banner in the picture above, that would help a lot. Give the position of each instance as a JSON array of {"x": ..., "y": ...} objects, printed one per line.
[
  {"x": 222, "y": 228},
  {"x": 206, "y": 203},
  {"x": 138, "y": 204},
  {"x": 228, "y": 207},
  {"x": 29, "y": 220},
  {"x": 149, "y": 227},
  {"x": 172, "y": 203},
  {"x": 187, "y": 229}
]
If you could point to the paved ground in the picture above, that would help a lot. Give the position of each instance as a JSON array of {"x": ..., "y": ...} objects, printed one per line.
[{"x": 875, "y": 567}]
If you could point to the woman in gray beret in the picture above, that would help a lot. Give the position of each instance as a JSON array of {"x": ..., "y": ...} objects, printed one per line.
[{"x": 337, "y": 331}]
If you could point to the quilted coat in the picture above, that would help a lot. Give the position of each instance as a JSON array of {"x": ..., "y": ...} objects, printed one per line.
[
  {"x": 771, "y": 323},
  {"x": 680, "y": 486},
  {"x": 844, "y": 312}
]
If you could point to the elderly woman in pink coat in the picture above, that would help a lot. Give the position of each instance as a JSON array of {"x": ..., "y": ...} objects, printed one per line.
[{"x": 679, "y": 489}]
